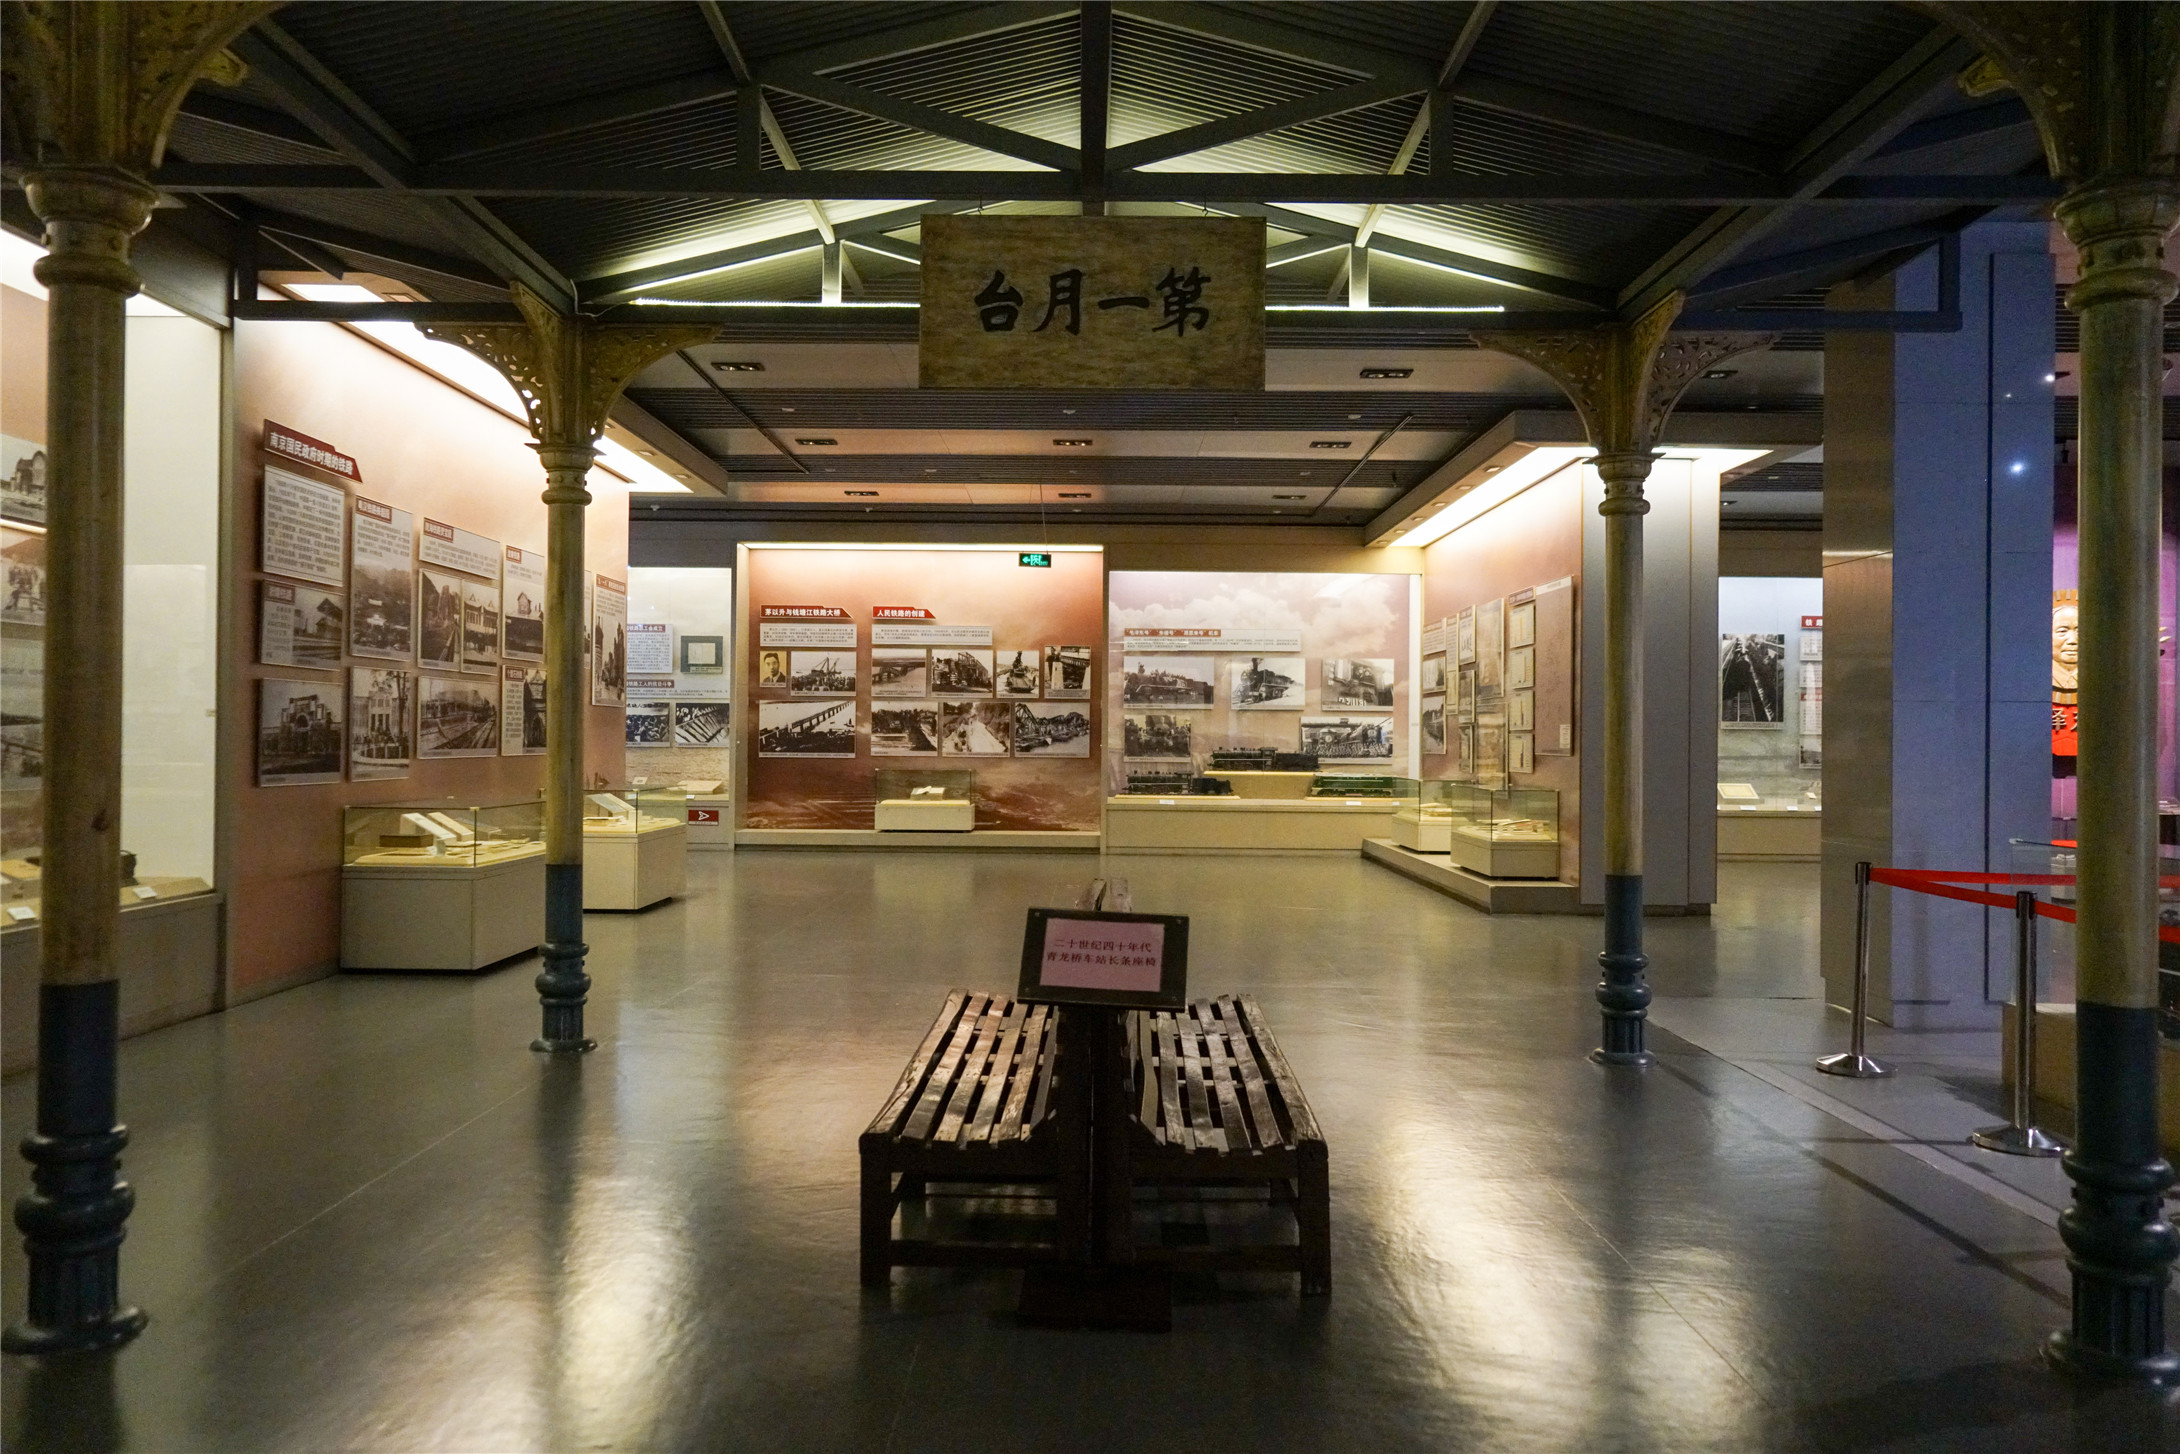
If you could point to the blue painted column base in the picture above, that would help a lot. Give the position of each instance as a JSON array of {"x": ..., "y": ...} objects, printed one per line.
[
  {"x": 562, "y": 986},
  {"x": 1621, "y": 993},
  {"x": 73, "y": 1217},
  {"x": 2119, "y": 1245}
]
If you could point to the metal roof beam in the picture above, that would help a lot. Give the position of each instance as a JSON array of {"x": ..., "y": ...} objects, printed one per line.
[
  {"x": 253, "y": 120},
  {"x": 340, "y": 116},
  {"x": 919, "y": 117},
  {"x": 608, "y": 289},
  {"x": 1981, "y": 123},
  {"x": 378, "y": 249},
  {"x": 1432, "y": 112},
  {"x": 1876, "y": 114},
  {"x": 1191, "y": 187},
  {"x": 1768, "y": 277},
  {"x": 1369, "y": 92},
  {"x": 1269, "y": 37},
  {"x": 566, "y": 118},
  {"x": 879, "y": 45},
  {"x": 1095, "y": 88}
]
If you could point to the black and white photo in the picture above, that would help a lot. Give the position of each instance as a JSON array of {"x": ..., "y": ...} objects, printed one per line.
[
  {"x": 299, "y": 625},
  {"x": 1167, "y": 681},
  {"x": 648, "y": 724},
  {"x": 1267, "y": 684},
  {"x": 701, "y": 724},
  {"x": 1357, "y": 681},
  {"x": 480, "y": 627},
  {"x": 457, "y": 718},
  {"x": 806, "y": 729},
  {"x": 1349, "y": 738},
  {"x": 522, "y": 710},
  {"x": 821, "y": 673},
  {"x": 1157, "y": 735},
  {"x": 1490, "y": 654},
  {"x": 900, "y": 671},
  {"x": 772, "y": 668},
  {"x": 381, "y": 581},
  {"x": 438, "y": 620},
  {"x": 1019, "y": 673},
  {"x": 904, "y": 729},
  {"x": 1052, "y": 732},
  {"x": 1434, "y": 726},
  {"x": 22, "y": 479},
  {"x": 1752, "y": 679},
  {"x": 1067, "y": 673},
  {"x": 522, "y": 604},
  {"x": 608, "y": 641},
  {"x": 703, "y": 656},
  {"x": 381, "y": 722},
  {"x": 22, "y": 589},
  {"x": 299, "y": 731},
  {"x": 1435, "y": 680},
  {"x": 976, "y": 729},
  {"x": 961, "y": 672}
]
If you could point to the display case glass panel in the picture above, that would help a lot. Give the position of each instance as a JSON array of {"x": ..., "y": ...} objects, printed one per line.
[
  {"x": 637, "y": 808},
  {"x": 1360, "y": 786},
  {"x": 444, "y": 834},
  {"x": 1502, "y": 832},
  {"x": 912, "y": 784}
]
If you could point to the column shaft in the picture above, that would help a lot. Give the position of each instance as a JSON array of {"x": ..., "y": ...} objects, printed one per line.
[
  {"x": 1622, "y": 993},
  {"x": 562, "y": 984}
]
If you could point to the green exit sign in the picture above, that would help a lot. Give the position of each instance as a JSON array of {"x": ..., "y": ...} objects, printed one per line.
[{"x": 1035, "y": 557}]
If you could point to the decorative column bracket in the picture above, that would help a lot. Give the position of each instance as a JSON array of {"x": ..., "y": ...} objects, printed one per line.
[
  {"x": 90, "y": 90},
  {"x": 2102, "y": 82},
  {"x": 1624, "y": 379},
  {"x": 569, "y": 369}
]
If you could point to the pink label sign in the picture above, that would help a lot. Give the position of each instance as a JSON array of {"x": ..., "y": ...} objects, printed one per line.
[{"x": 1093, "y": 954}]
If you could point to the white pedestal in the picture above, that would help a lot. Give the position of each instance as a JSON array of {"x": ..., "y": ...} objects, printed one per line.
[
  {"x": 1220, "y": 824},
  {"x": 1503, "y": 857},
  {"x": 1776, "y": 835},
  {"x": 711, "y": 820},
  {"x": 1411, "y": 829},
  {"x": 635, "y": 870},
  {"x": 452, "y": 919},
  {"x": 926, "y": 815}
]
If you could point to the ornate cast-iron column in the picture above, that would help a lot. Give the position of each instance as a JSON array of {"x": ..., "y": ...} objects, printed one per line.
[
  {"x": 2103, "y": 83},
  {"x": 1624, "y": 380},
  {"x": 91, "y": 89},
  {"x": 568, "y": 370}
]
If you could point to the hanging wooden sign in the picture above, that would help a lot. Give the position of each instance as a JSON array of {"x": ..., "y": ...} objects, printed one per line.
[{"x": 1093, "y": 303}]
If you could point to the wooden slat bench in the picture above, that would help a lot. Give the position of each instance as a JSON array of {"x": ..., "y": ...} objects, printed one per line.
[
  {"x": 1216, "y": 1104},
  {"x": 974, "y": 1105}
]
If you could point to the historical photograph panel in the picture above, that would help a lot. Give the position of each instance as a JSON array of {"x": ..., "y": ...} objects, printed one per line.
[
  {"x": 1052, "y": 732},
  {"x": 299, "y": 732},
  {"x": 961, "y": 672},
  {"x": 522, "y": 604},
  {"x": 299, "y": 625},
  {"x": 900, "y": 671},
  {"x": 648, "y": 724},
  {"x": 821, "y": 673},
  {"x": 806, "y": 729},
  {"x": 1019, "y": 673},
  {"x": 480, "y": 627},
  {"x": 904, "y": 729},
  {"x": 1490, "y": 654},
  {"x": 702, "y": 724},
  {"x": 1168, "y": 681},
  {"x": 457, "y": 718},
  {"x": 1067, "y": 672},
  {"x": 1267, "y": 683},
  {"x": 1349, "y": 738},
  {"x": 1752, "y": 679},
  {"x": 522, "y": 710},
  {"x": 439, "y": 620},
  {"x": 1434, "y": 726},
  {"x": 1435, "y": 678},
  {"x": 976, "y": 729},
  {"x": 381, "y": 722},
  {"x": 608, "y": 641},
  {"x": 1156, "y": 734},
  {"x": 1357, "y": 681},
  {"x": 381, "y": 603},
  {"x": 772, "y": 668}
]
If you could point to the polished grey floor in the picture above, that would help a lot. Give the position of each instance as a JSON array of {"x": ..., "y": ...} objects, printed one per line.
[{"x": 370, "y": 1219}]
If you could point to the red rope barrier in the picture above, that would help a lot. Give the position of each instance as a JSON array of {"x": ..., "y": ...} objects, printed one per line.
[{"x": 1943, "y": 885}]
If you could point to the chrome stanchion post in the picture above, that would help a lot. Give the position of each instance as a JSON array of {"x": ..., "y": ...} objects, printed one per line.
[
  {"x": 1853, "y": 1062},
  {"x": 2020, "y": 1137}
]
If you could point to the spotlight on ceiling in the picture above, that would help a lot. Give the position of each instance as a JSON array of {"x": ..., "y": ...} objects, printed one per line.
[
  {"x": 738, "y": 366},
  {"x": 1072, "y": 443},
  {"x": 1720, "y": 373},
  {"x": 816, "y": 439},
  {"x": 861, "y": 494},
  {"x": 1328, "y": 444},
  {"x": 1074, "y": 494},
  {"x": 1388, "y": 373}
]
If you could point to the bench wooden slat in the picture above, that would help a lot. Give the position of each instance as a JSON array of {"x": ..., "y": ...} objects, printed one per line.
[
  {"x": 1223, "y": 1080},
  {"x": 1299, "y": 1115},
  {"x": 1046, "y": 1055},
  {"x": 1146, "y": 1059},
  {"x": 1034, "y": 1035},
  {"x": 942, "y": 1079},
  {"x": 904, "y": 1090},
  {"x": 1169, "y": 1084},
  {"x": 976, "y": 1065},
  {"x": 1252, "y": 1078},
  {"x": 1202, "y": 1131},
  {"x": 1002, "y": 1070}
]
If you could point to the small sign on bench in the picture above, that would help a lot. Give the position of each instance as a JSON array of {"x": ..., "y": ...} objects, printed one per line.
[{"x": 1091, "y": 957}]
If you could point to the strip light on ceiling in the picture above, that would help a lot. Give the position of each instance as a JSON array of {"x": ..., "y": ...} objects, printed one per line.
[{"x": 1536, "y": 464}]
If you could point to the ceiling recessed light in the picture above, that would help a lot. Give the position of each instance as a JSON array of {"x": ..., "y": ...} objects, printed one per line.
[
  {"x": 1388, "y": 373},
  {"x": 816, "y": 439},
  {"x": 1354, "y": 416},
  {"x": 861, "y": 494},
  {"x": 1072, "y": 443},
  {"x": 787, "y": 408},
  {"x": 1329, "y": 443},
  {"x": 738, "y": 366},
  {"x": 1067, "y": 411},
  {"x": 1074, "y": 494},
  {"x": 1290, "y": 497},
  {"x": 1720, "y": 373},
  {"x": 1492, "y": 469}
]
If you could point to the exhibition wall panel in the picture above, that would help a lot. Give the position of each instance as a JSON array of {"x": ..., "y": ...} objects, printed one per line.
[
  {"x": 420, "y": 453},
  {"x": 862, "y": 660},
  {"x": 1771, "y": 684},
  {"x": 1531, "y": 543},
  {"x": 681, "y": 718},
  {"x": 1292, "y": 661}
]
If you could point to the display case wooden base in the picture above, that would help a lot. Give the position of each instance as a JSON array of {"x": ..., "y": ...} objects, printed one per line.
[
  {"x": 1424, "y": 832},
  {"x": 1770, "y": 835},
  {"x": 168, "y": 955},
  {"x": 451, "y": 919},
  {"x": 711, "y": 821},
  {"x": 1493, "y": 896},
  {"x": 925, "y": 815},
  {"x": 1228, "y": 825},
  {"x": 1266, "y": 784},
  {"x": 630, "y": 871},
  {"x": 1503, "y": 857}
]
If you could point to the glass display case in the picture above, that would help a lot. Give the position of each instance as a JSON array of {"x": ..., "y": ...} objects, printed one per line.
[
  {"x": 21, "y": 875},
  {"x": 445, "y": 834},
  {"x": 1743, "y": 787},
  {"x": 1501, "y": 832},
  {"x": 925, "y": 800},
  {"x": 1426, "y": 825},
  {"x": 639, "y": 808},
  {"x": 1354, "y": 786}
]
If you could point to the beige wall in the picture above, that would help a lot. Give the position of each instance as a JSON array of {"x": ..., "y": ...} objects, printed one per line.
[
  {"x": 22, "y": 365},
  {"x": 422, "y": 447}
]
